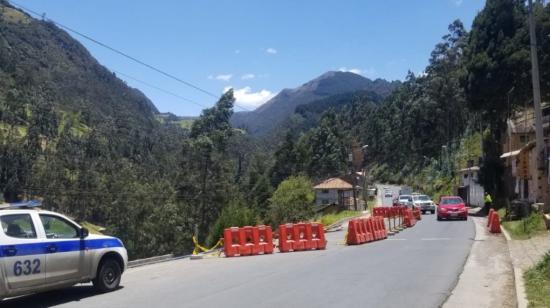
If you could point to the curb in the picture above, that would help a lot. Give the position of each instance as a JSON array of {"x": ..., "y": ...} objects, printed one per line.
[
  {"x": 521, "y": 296},
  {"x": 154, "y": 260}
]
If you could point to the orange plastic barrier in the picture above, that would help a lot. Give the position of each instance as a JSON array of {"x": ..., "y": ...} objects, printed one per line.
[
  {"x": 489, "y": 217},
  {"x": 301, "y": 236},
  {"x": 409, "y": 220},
  {"x": 494, "y": 227},
  {"x": 247, "y": 241},
  {"x": 363, "y": 230},
  {"x": 417, "y": 214}
]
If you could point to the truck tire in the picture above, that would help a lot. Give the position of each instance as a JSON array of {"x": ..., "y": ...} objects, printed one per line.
[
  {"x": 108, "y": 276},
  {"x": 433, "y": 212}
]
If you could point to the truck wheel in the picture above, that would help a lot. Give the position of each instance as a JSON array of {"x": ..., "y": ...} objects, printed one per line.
[
  {"x": 433, "y": 212},
  {"x": 423, "y": 212},
  {"x": 108, "y": 276}
]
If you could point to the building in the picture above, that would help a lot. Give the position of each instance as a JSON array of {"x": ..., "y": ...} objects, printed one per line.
[
  {"x": 470, "y": 190},
  {"x": 523, "y": 179},
  {"x": 337, "y": 191}
]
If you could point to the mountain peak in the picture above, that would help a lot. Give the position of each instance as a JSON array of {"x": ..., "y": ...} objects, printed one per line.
[{"x": 284, "y": 104}]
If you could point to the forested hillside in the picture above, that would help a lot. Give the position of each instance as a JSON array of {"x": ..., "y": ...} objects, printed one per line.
[{"x": 436, "y": 121}]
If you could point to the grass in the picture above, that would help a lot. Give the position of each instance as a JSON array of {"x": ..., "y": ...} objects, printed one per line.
[
  {"x": 94, "y": 229},
  {"x": 524, "y": 228},
  {"x": 14, "y": 16},
  {"x": 371, "y": 204},
  {"x": 537, "y": 283},
  {"x": 329, "y": 219}
]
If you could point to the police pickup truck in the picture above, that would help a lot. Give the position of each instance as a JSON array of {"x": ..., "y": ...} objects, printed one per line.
[{"x": 42, "y": 250}]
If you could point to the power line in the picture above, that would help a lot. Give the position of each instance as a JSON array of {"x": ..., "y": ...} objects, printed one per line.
[
  {"x": 187, "y": 83},
  {"x": 167, "y": 91},
  {"x": 160, "y": 89},
  {"x": 134, "y": 59}
]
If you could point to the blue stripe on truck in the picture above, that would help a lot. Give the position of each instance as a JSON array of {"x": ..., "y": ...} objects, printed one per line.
[{"x": 62, "y": 246}]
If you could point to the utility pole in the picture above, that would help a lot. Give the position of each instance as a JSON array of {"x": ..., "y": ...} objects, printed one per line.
[{"x": 539, "y": 133}]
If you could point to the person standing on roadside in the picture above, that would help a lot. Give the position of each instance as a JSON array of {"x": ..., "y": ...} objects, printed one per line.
[{"x": 488, "y": 200}]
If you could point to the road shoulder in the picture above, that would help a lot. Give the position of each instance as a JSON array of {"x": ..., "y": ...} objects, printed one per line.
[
  {"x": 525, "y": 254},
  {"x": 487, "y": 279}
]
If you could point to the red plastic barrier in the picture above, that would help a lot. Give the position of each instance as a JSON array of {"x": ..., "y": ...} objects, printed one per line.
[
  {"x": 417, "y": 214},
  {"x": 361, "y": 230},
  {"x": 383, "y": 228},
  {"x": 265, "y": 240},
  {"x": 489, "y": 217},
  {"x": 247, "y": 241},
  {"x": 318, "y": 236},
  {"x": 495, "y": 223},
  {"x": 301, "y": 236},
  {"x": 409, "y": 219},
  {"x": 354, "y": 237}
]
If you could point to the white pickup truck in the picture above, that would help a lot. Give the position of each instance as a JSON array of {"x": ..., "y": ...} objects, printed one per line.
[{"x": 42, "y": 250}]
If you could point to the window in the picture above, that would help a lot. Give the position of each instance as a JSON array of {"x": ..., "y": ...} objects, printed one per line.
[
  {"x": 452, "y": 201},
  {"x": 18, "y": 226},
  {"x": 524, "y": 138},
  {"x": 324, "y": 191},
  {"x": 57, "y": 227},
  {"x": 324, "y": 201},
  {"x": 465, "y": 175}
]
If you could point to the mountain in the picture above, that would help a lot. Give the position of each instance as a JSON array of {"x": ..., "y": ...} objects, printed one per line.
[
  {"x": 283, "y": 105},
  {"x": 39, "y": 61}
]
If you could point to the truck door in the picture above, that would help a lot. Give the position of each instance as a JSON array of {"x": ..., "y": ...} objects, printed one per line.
[
  {"x": 21, "y": 252},
  {"x": 65, "y": 250}
]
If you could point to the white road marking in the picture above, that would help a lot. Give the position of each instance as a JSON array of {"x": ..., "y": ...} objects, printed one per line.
[
  {"x": 396, "y": 239},
  {"x": 436, "y": 239}
]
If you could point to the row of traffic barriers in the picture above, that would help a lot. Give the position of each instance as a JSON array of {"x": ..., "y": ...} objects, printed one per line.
[
  {"x": 363, "y": 230},
  {"x": 493, "y": 221},
  {"x": 399, "y": 217},
  {"x": 248, "y": 241}
]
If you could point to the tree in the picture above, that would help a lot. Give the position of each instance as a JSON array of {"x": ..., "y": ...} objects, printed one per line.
[
  {"x": 204, "y": 183},
  {"x": 328, "y": 148},
  {"x": 285, "y": 160},
  {"x": 292, "y": 201},
  {"x": 497, "y": 58}
]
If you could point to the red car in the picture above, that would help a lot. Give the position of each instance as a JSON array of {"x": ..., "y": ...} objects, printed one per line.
[{"x": 451, "y": 207}]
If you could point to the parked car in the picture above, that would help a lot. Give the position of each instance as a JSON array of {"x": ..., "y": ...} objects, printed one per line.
[
  {"x": 451, "y": 207},
  {"x": 405, "y": 200},
  {"x": 42, "y": 251},
  {"x": 424, "y": 203}
]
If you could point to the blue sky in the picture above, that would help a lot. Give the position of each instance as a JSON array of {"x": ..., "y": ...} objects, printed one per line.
[{"x": 256, "y": 47}]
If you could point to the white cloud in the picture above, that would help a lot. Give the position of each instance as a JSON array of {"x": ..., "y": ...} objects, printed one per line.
[
  {"x": 248, "y": 76},
  {"x": 458, "y": 2},
  {"x": 369, "y": 72},
  {"x": 246, "y": 98},
  {"x": 237, "y": 51},
  {"x": 221, "y": 77},
  {"x": 351, "y": 70},
  {"x": 271, "y": 50}
]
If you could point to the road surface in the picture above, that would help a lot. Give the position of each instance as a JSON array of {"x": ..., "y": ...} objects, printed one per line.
[{"x": 416, "y": 268}]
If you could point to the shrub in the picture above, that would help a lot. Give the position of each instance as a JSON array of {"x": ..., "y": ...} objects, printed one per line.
[{"x": 292, "y": 201}]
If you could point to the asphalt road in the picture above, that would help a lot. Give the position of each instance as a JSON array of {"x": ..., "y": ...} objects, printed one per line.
[{"x": 416, "y": 268}]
